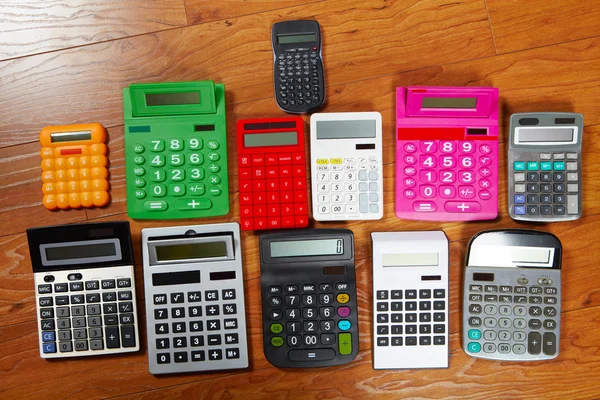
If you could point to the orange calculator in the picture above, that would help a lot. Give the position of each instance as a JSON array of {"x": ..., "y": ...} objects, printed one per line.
[{"x": 74, "y": 163}]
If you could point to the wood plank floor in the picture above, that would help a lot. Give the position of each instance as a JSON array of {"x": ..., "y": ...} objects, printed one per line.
[{"x": 66, "y": 62}]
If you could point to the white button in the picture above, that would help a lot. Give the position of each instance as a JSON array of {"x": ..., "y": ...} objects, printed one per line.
[
  {"x": 323, "y": 198},
  {"x": 337, "y": 167},
  {"x": 350, "y": 187},
  {"x": 350, "y": 160},
  {"x": 350, "y": 176},
  {"x": 322, "y": 167},
  {"x": 545, "y": 156},
  {"x": 372, "y": 159},
  {"x": 338, "y": 209},
  {"x": 572, "y": 187},
  {"x": 350, "y": 198},
  {"x": 572, "y": 156},
  {"x": 559, "y": 156},
  {"x": 362, "y": 166},
  {"x": 362, "y": 160},
  {"x": 571, "y": 166},
  {"x": 336, "y": 176},
  {"x": 520, "y": 177},
  {"x": 322, "y": 176},
  {"x": 373, "y": 167},
  {"x": 351, "y": 209},
  {"x": 337, "y": 198},
  {"x": 572, "y": 176},
  {"x": 336, "y": 187},
  {"x": 324, "y": 209},
  {"x": 350, "y": 167},
  {"x": 323, "y": 187},
  {"x": 520, "y": 188}
]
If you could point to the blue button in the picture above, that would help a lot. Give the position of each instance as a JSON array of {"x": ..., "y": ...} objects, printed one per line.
[
  {"x": 546, "y": 166},
  {"x": 519, "y": 199},
  {"x": 519, "y": 165},
  {"x": 519, "y": 210},
  {"x": 48, "y": 336},
  {"x": 532, "y": 165},
  {"x": 559, "y": 165},
  {"x": 344, "y": 324},
  {"x": 49, "y": 348},
  {"x": 474, "y": 334},
  {"x": 474, "y": 347}
]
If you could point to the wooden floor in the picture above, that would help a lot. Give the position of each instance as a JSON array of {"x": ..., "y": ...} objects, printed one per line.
[{"x": 66, "y": 61}]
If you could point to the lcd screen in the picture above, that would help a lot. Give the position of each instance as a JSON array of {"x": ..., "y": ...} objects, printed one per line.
[
  {"x": 296, "y": 248},
  {"x": 449, "y": 102},
  {"x": 70, "y": 136},
  {"x": 303, "y": 38},
  {"x": 410, "y": 260},
  {"x": 191, "y": 251},
  {"x": 60, "y": 253},
  {"x": 172, "y": 99},
  {"x": 354, "y": 129},
  {"x": 271, "y": 139},
  {"x": 541, "y": 135}
]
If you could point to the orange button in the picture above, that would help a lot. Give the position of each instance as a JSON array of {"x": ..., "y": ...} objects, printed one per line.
[
  {"x": 73, "y": 174},
  {"x": 48, "y": 188},
  {"x": 100, "y": 198},
  {"x": 60, "y": 163},
  {"x": 85, "y": 173},
  {"x": 62, "y": 200},
  {"x": 84, "y": 162},
  {"x": 48, "y": 176},
  {"x": 85, "y": 186},
  {"x": 47, "y": 152},
  {"x": 72, "y": 162},
  {"x": 74, "y": 200},
  {"x": 61, "y": 175},
  {"x": 61, "y": 187},
  {"x": 99, "y": 173},
  {"x": 49, "y": 202},
  {"x": 47, "y": 164},
  {"x": 98, "y": 149},
  {"x": 98, "y": 161},
  {"x": 99, "y": 185},
  {"x": 73, "y": 186},
  {"x": 86, "y": 199}
]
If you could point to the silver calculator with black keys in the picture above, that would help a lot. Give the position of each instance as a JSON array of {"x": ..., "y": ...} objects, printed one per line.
[
  {"x": 512, "y": 291},
  {"x": 195, "y": 309},
  {"x": 85, "y": 289},
  {"x": 544, "y": 166}
]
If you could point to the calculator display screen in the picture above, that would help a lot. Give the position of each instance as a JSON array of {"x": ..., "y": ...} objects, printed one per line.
[
  {"x": 191, "y": 251},
  {"x": 172, "y": 99},
  {"x": 303, "y": 38},
  {"x": 296, "y": 248},
  {"x": 540, "y": 135},
  {"x": 483, "y": 277},
  {"x": 271, "y": 139},
  {"x": 80, "y": 251},
  {"x": 70, "y": 136},
  {"x": 354, "y": 129},
  {"x": 410, "y": 260},
  {"x": 449, "y": 102}
]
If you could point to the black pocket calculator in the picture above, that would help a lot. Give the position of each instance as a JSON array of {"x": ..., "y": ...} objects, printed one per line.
[
  {"x": 298, "y": 67},
  {"x": 309, "y": 303}
]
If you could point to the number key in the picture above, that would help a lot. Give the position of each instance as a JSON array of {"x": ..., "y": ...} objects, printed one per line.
[
  {"x": 195, "y": 143},
  {"x": 175, "y": 144},
  {"x": 157, "y": 145}
]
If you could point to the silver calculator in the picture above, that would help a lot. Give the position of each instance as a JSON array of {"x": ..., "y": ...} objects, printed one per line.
[
  {"x": 195, "y": 309},
  {"x": 512, "y": 292},
  {"x": 544, "y": 166},
  {"x": 85, "y": 289}
]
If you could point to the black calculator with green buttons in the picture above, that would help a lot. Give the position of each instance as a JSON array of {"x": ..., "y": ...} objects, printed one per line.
[{"x": 308, "y": 288}]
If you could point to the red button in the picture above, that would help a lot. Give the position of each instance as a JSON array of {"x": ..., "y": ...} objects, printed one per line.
[
  {"x": 245, "y": 186},
  {"x": 299, "y": 172},
  {"x": 285, "y": 172},
  {"x": 300, "y": 196},
  {"x": 287, "y": 196},
  {"x": 287, "y": 209},
  {"x": 273, "y": 184},
  {"x": 246, "y": 211},
  {"x": 260, "y": 223},
  {"x": 245, "y": 173},
  {"x": 259, "y": 185},
  {"x": 258, "y": 173},
  {"x": 298, "y": 158},
  {"x": 245, "y": 199},
  {"x": 244, "y": 161},
  {"x": 259, "y": 198},
  {"x": 271, "y": 159},
  {"x": 299, "y": 184},
  {"x": 272, "y": 172},
  {"x": 258, "y": 159},
  {"x": 300, "y": 209},
  {"x": 260, "y": 211},
  {"x": 286, "y": 184},
  {"x": 462, "y": 207},
  {"x": 285, "y": 158},
  {"x": 287, "y": 222},
  {"x": 247, "y": 224},
  {"x": 273, "y": 197},
  {"x": 301, "y": 221},
  {"x": 274, "y": 223},
  {"x": 273, "y": 210}
]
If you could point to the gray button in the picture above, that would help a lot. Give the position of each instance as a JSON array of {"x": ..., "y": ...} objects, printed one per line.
[
  {"x": 572, "y": 176},
  {"x": 362, "y": 186},
  {"x": 572, "y": 187},
  {"x": 374, "y": 208},
  {"x": 373, "y": 175},
  {"x": 373, "y": 197},
  {"x": 95, "y": 321},
  {"x": 93, "y": 309},
  {"x": 490, "y": 309},
  {"x": 489, "y": 347},
  {"x": 545, "y": 156},
  {"x": 62, "y": 312},
  {"x": 559, "y": 156},
  {"x": 78, "y": 311},
  {"x": 534, "y": 343},
  {"x": 504, "y": 310},
  {"x": 504, "y": 348},
  {"x": 81, "y": 345},
  {"x": 95, "y": 332},
  {"x": 80, "y": 334},
  {"x": 572, "y": 203},
  {"x": 363, "y": 203},
  {"x": 373, "y": 186},
  {"x": 519, "y": 349},
  {"x": 519, "y": 323},
  {"x": 64, "y": 335},
  {"x": 571, "y": 166},
  {"x": 79, "y": 322},
  {"x": 489, "y": 335},
  {"x": 520, "y": 310},
  {"x": 519, "y": 336},
  {"x": 490, "y": 322},
  {"x": 520, "y": 188},
  {"x": 65, "y": 347},
  {"x": 572, "y": 156},
  {"x": 504, "y": 322},
  {"x": 96, "y": 344},
  {"x": 64, "y": 323},
  {"x": 520, "y": 177},
  {"x": 362, "y": 175}
]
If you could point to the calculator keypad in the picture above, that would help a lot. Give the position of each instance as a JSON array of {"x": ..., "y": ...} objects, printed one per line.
[
  {"x": 179, "y": 174},
  {"x": 87, "y": 317},
  {"x": 452, "y": 177},
  {"x": 512, "y": 322},
  {"x": 312, "y": 321},
  {"x": 273, "y": 191},
  {"x": 348, "y": 186},
  {"x": 546, "y": 185},
  {"x": 299, "y": 78},
  {"x": 411, "y": 317}
]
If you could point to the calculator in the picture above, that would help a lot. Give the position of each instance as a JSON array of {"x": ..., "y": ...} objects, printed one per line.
[
  {"x": 308, "y": 291},
  {"x": 298, "y": 66},
  {"x": 195, "y": 310},
  {"x": 447, "y": 153},
  {"x": 176, "y": 150},
  {"x": 272, "y": 173},
  {"x": 410, "y": 299},
  {"x": 544, "y": 166},
  {"x": 74, "y": 173},
  {"x": 346, "y": 166},
  {"x": 85, "y": 289},
  {"x": 512, "y": 291}
]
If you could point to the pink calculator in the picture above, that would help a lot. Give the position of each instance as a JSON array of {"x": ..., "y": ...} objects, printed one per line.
[{"x": 447, "y": 153}]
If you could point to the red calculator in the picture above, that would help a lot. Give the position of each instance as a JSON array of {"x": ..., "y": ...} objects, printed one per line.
[{"x": 272, "y": 173}]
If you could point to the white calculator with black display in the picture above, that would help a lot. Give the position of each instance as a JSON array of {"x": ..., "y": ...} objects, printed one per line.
[
  {"x": 85, "y": 289},
  {"x": 195, "y": 309},
  {"x": 346, "y": 166},
  {"x": 410, "y": 305}
]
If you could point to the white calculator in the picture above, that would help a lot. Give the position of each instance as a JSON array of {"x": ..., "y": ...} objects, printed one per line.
[
  {"x": 195, "y": 309},
  {"x": 410, "y": 305},
  {"x": 346, "y": 166}
]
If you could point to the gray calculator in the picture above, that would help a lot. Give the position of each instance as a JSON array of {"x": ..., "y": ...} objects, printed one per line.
[
  {"x": 512, "y": 291},
  {"x": 195, "y": 309},
  {"x": 544, "y": 166}
]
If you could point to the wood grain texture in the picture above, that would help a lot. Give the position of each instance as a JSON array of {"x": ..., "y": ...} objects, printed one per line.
[
  {"x": 199, "y": 11},
  {"x": 519, "y": 25},
  {"x": 362, "y": 39},
  {"x": 36, "y": 26}
]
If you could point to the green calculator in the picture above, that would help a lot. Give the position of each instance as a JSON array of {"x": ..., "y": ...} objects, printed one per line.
[{"x": 176, "y": 150}]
